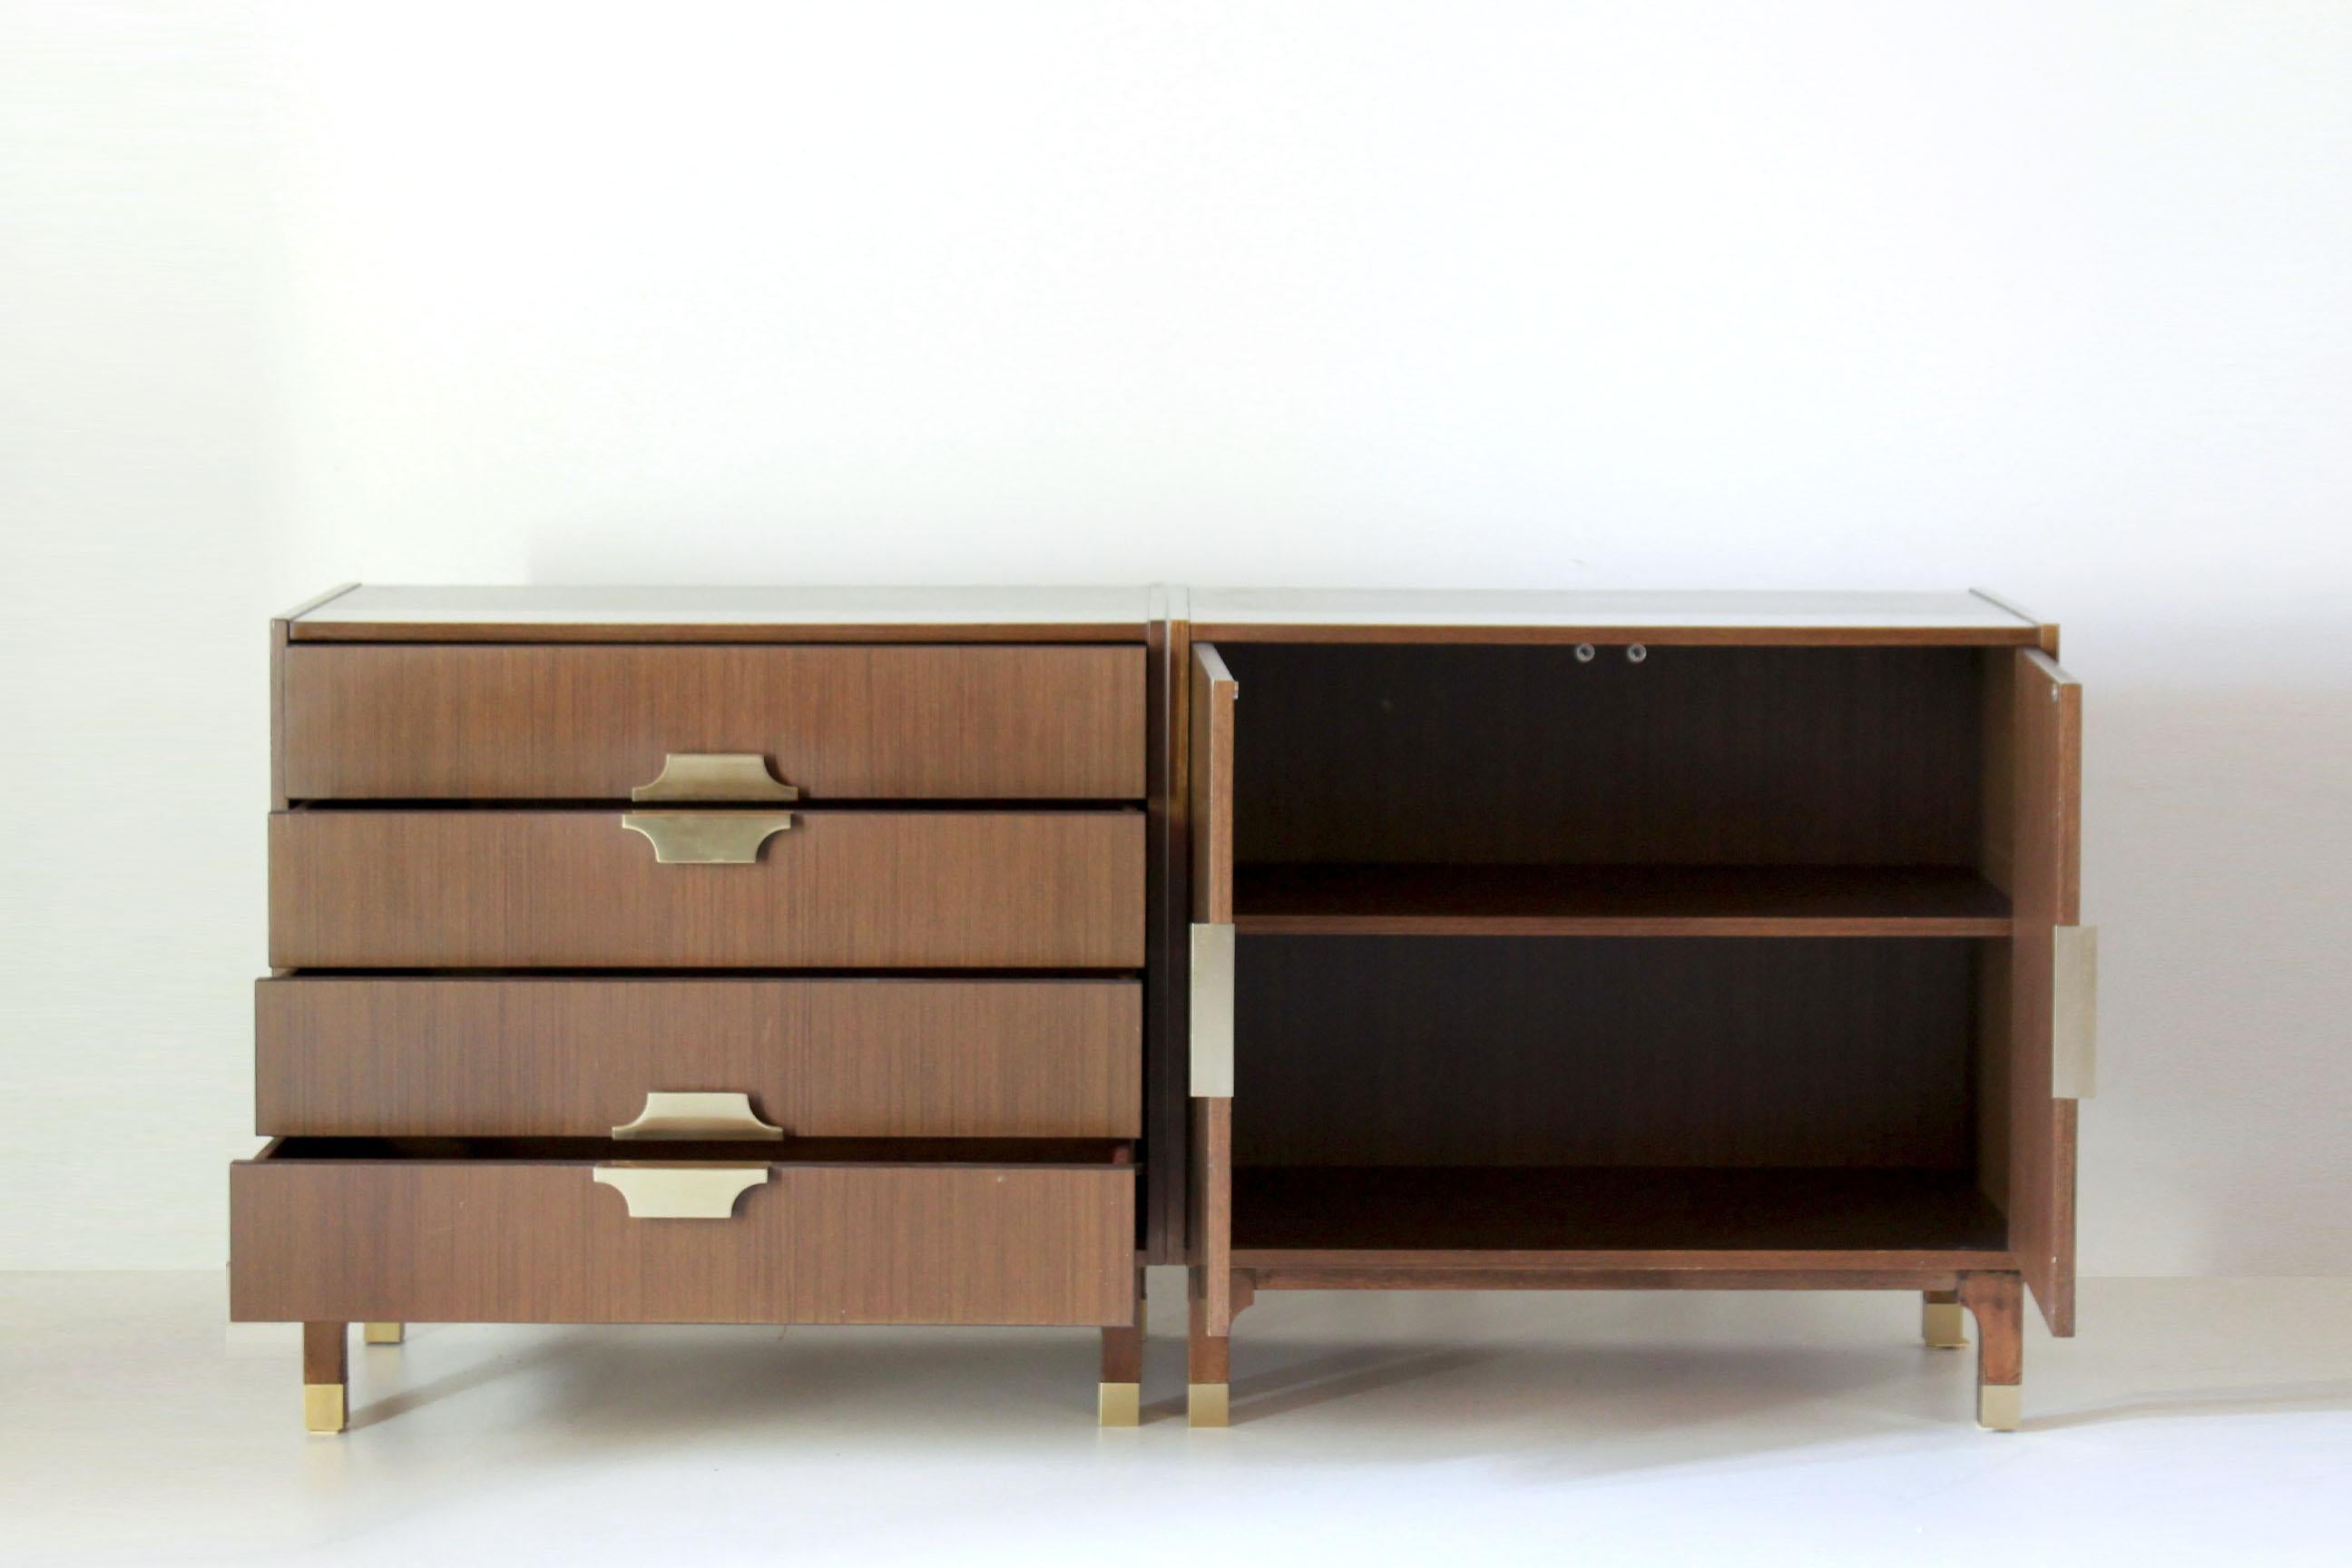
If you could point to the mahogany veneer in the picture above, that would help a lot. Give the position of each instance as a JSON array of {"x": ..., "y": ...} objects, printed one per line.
[
  {"x": 839, "y": 889},
  {"x": 516, "y": 1056},
  {"x": 319, "y": 1234},
  {"x": 875, "y": 722}
]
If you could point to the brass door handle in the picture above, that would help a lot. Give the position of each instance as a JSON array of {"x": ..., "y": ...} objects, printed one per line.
[
  {"x": 681, "y": 1192},
  {"x": 669, "y": 1115},
  {"x": 707, "y": 837},
  {"x": 1212, "y": 1044},
  {"x": 2073, "y": 1012},
  {"x": 714, "y": 775}
]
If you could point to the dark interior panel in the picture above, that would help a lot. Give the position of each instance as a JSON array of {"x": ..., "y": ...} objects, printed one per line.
[
  {"x": 1451, "y": 1051},
  {"x": 1502, "y": 754}
]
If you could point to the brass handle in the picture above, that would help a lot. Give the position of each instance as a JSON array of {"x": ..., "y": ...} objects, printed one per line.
[
  {"x": 2073, "y": 1012},
  {"x": 714, "y": 775},
  {"x": 669, "y": 1115},
  {"x": 707, "y": 837},
  {"x": 681, "y": 1192},
  {"x": 1212, "y": 1043}
]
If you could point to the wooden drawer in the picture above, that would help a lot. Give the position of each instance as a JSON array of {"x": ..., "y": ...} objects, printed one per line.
[
  {"x": 516, "y": 723},
  {"x": 432, "y": 890},
  {"x": 481, "y": 1056},
  {"x": 358, "y": 1230}
]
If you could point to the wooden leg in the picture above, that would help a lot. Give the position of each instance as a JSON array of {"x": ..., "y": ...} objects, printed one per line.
[
  {"x": 326, "y": 1350},
  {"x": 1998, "y": 1301},
  {"x": 1208, "y": 1363},
  {"x": 1119, "y": 1401},
  {"x": 383, "y": 1333},
  {"x": 1943, "y": 1321}
]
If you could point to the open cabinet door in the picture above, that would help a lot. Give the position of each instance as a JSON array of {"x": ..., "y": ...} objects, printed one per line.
[
  {"x": 1210, "y": 763},
  {"x": 2052, "y": 976}
]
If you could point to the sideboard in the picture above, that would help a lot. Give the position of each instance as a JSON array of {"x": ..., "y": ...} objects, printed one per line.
[{"x": 919, "y": 956}]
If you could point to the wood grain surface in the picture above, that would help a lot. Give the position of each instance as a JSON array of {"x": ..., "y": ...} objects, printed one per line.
[
  {"x": 1166, "y": 892},
  {"x": 1646, "y": 1271},
  {"x": 1617, "y": 901},
  {"x": 1467, "y": 756},
  {"x": 1211, "y": 1186},
  {"x": 430, "y": 722},
  {"x": 2045, "y": 869},
  {"x": 487, "y": 1240},
  {"x": 516, "y": 1055},
  {"x": 1407, "y": 1214},
  {"x": 1534, "y": 1051},
  {"x": 1211, "y": 759},
  {"x": 475, "y": 889}
]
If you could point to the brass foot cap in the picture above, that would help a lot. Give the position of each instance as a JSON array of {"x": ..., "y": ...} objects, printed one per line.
[
  {"x": 1120, "y": 1405},
  {"x": 1944, "y": 1326},
  {"x": 383, "y": 1333},
  {"x": 322, "y": 1408},
  {"x": 1206, "y": 1405},
  {"x": 2000, "y": 1406}
]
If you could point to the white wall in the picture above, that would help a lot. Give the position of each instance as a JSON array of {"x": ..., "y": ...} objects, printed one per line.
[{"x": 2051, "y": 297}]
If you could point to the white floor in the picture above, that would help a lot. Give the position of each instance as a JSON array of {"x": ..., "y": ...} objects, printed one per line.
[{"x": 2193, "y": 1421}]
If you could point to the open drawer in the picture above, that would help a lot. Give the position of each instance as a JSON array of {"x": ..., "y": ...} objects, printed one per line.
[
  {"x": 591, "y": 1231},
  {"x": 586, "y": 1056},
  {"x": 705, "y": 889}
]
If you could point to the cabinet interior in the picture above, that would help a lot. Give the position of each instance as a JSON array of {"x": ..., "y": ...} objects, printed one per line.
[{"x": 1482, "y": 997}]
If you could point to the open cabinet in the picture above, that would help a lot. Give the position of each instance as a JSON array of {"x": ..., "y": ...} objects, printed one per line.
[{"x": 1633, "y": 941}]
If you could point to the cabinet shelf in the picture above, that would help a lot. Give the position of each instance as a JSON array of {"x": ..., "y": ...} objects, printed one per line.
[
  {"x": 1564, "y": 1216},
  {"x": 1616, "y": 901}
]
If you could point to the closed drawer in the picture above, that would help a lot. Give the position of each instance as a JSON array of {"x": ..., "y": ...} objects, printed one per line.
[
  {"x": 481, "y": 1056},
  {"x": 514, "y": 722},
  {"x": 492, "y": 888},
  {"x": 354, "y": 1230}
]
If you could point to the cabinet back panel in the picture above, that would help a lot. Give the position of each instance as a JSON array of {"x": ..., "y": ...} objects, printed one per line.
[
  {"x": 1487, "y": 754},
  {"x": 1549, "y": 1051}
]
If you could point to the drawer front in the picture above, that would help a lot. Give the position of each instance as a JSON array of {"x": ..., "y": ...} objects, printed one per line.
[
  {"x": 546, "y": 1242},
  {"x": 505, "y": 722},
  {"x": 818, "y": 1058},
  {"x": 432, "y": 890}
]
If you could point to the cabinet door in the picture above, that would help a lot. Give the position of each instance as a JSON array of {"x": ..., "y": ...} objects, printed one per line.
[
  {"x": 2050, "y": 969},
  {"x": 1210, "y": 767}
]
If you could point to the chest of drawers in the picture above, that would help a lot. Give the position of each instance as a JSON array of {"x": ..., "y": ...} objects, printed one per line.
[{"x": 673, "y": 957}]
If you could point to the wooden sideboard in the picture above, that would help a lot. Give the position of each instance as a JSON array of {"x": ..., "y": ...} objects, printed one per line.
[
  {"x": 931, "y": 956},
  {"x": 1633, "y": 942},
  {"x": 760, "y": 956}
]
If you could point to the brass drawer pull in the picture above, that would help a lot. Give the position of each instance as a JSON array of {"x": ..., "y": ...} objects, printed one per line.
[
  {"x": 714, "y": 775},
  {"x": 669, "y": 1115},
  {"x": 681, "y": 1192},
  {"x": 707, "y": 837}
]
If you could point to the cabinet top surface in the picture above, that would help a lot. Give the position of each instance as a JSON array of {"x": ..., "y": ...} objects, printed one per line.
[
  {"x": 395, "y": 613},
  {"x": 371, "y": 612},
  {"x": 1244, "y": 614}
]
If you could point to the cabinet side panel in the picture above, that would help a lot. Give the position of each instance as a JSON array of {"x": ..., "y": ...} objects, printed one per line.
[
  {"x": 1211, "y": 785},
  {"x": 2047, "y": 807},
  {"x": 1165, "y": 1112},
  {"x": 1212, "y": 1209}
]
